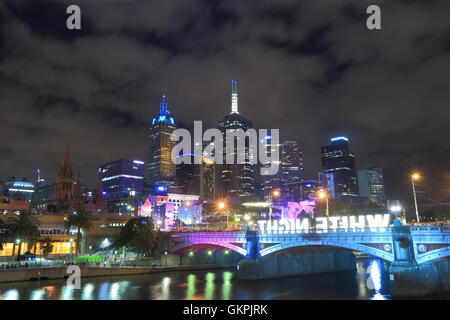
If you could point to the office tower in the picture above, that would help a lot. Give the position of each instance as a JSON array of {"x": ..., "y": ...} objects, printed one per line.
[
  {"x": 371, "y": 184},
  {"x": 43, "y": 198},
  {"x": 270, "y": 183},
  {"x": 209, "y": 180},
  {"x": 19, "y": 188},
  {"x": 301, "y": 190},
  {"x": 339, "y": 161},
  {"x": 123, "y": 183},
  {"x": 291, "y": 168},
  {"x": 237, "y": 180},
  {"x": 188, "y": 175},
  {"x": 160, "y": 166}
]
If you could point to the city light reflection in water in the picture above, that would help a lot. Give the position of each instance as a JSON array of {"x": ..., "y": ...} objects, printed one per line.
[{"x": 369, "y": 282}]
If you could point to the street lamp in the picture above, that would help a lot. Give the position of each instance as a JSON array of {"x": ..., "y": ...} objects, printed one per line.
[
  {"x": 415, "y": 176},
  {"x": 323, "y": 195},
  {"x": 221, "y": 206},
  {"x": 396, "y": 209},
  {"x": 275, "y": 194},
  {"x": 165, "y": 253}
]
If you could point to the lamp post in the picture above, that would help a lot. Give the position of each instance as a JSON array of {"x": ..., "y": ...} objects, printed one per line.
[
  {"x": 396, "y": 209},
  {"x": 323, "y": 195},
  {"x": 415, "y": 176},
  {"x": 18, "y": 250},
  {"x": 221, "y": 206},
  {"x": 165, "y": 253},
  {"x": 71, "y": 241},
  {"x": 275, "y": 194}
]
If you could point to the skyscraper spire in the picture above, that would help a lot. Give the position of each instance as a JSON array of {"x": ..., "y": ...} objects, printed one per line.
[
  {"x": 163, "y": 110},
  {"x": 164, "y": 113},
  {"x": 234, "y": 97}
]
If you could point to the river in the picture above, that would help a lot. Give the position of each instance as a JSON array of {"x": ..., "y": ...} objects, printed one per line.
[{"x": 370, "y": 281}]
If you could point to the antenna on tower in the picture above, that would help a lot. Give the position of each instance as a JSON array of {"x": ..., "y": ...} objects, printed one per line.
[
  {"x": 163, "y": 110},
  {"x": 234, "y": 97}
]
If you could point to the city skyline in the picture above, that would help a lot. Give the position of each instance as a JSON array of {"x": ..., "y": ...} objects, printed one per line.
[{"x": 298, "y": 75}]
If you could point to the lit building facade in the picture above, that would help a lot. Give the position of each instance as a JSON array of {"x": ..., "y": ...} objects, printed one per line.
[
  {"x": 237, "y": 180},
  {"x": 160, "y": 166},
  {"x": 19, "y": 188},
  {"x": 339, "y": 161},
  {"x": 301, "y": 190},
  {"x": 371, "y": 184},
  {"x": 209, "y": 179},
  {"x": 123, "y": 182}
]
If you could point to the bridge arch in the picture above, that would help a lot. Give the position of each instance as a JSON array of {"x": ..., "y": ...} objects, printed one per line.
[
  {"x": 346, "y": 245},
  {"x": 226, "y": 245}
]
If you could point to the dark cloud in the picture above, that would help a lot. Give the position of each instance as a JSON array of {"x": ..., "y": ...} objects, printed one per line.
[{"x": 310, "y": 68}]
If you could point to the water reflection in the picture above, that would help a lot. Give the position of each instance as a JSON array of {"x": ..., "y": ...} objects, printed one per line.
[
  {"x": 165, "y": 288},
  {"x": 11, "y": 295},
  {"x": 88, "y": 291},
  {"x": 370, "y": 281},
  {"x": 190, "y": 291},
  {"x": 227, "y": 285},
  {"x": 209, "y": 286}
]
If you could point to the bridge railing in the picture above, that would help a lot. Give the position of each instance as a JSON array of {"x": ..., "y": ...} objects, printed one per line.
[
  {"x": 223, "y": 234},
  {"x": 444, "y": 229},
  {"x": 333, "y": 231}
]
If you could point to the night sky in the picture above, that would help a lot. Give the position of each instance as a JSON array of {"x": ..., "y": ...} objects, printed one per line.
[{"x": 310, "y": 68}]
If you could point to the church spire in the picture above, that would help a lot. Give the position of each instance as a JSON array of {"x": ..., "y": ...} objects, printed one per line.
[
  {"x": 66, "y": 159},
  {"x": 234, "y": 97}
]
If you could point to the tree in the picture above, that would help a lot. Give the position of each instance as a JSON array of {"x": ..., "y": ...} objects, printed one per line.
[
  {"x": 162, "y": 240},
  {"x": 24, "y": 228},
  {"x": 139, "y": 234},
  {"x": 80, "y": 220},
  {"x": 46, "y": 246}
]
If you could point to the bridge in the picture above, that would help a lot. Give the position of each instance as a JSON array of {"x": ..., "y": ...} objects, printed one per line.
[{"x": 393, "y": 244}]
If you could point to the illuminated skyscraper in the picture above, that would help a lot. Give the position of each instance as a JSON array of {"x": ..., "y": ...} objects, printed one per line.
[
  {"x": 161, "y": 168},
  {"x": 122, "y": 182},
  {"x": 371, "y": 184},
  {"x": 237, "y": 180},
  {"x": 339, "y": 161}
]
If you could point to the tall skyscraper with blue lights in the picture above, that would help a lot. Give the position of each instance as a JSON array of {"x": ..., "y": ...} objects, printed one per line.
[
  {"x": 161, "y": 169},
  {"x": 339, "y": 161}
]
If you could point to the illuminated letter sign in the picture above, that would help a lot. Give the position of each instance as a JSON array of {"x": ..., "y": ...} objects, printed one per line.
[{"x": 325, "y": 224}]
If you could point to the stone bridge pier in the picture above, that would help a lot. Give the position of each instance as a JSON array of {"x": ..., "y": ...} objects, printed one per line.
[{"x": 410, "y": 279}]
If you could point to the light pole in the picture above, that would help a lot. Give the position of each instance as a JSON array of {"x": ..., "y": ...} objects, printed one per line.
[
  {"x": 71, "y": 241},
  {"x": 275, "y": 194},
  {"x": 165, "y": 253},
  {"x": 323, "y": 195},
  {"x": 396, "y": 209},
  {"x": 415, "y": 176},
  {"x": 221, "y": 206}
]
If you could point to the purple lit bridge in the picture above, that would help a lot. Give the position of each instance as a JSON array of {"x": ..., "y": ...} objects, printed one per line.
[{"x": 398, "y": 243}]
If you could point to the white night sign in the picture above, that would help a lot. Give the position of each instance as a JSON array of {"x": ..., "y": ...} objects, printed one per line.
[{"x": 324, "y": 224}]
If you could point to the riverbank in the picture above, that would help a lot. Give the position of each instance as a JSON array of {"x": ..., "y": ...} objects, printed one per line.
[{"x": 34, "y": 274}]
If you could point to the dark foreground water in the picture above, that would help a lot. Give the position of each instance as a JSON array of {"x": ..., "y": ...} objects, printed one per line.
[{"x": 370, "y": 281}]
